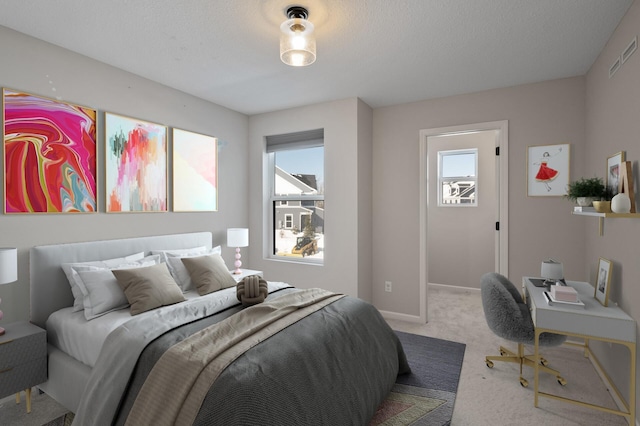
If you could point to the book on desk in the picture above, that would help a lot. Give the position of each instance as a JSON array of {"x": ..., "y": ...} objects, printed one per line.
[{"x": 553, "y": 301}]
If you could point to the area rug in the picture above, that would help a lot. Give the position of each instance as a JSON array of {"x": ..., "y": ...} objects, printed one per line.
[
  {"x": 64, "y": 420},
  {"x": 427, "y": 395}
]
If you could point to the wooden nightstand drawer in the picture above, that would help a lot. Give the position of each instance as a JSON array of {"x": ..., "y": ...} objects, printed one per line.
[{"x": 26, "y": 375}]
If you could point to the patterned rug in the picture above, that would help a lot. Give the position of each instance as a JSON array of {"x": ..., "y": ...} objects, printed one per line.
[
  {"x": 427, "y": 395},
  {"x": 64, "y": 420}
]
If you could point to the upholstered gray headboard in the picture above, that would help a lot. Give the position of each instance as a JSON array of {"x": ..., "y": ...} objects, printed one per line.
[{"x": 50, "y": 289}]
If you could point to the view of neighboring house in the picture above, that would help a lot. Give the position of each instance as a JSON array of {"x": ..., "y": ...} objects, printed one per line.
[
  {"x": 296, "y": 214},
  {"x": 459, "y": 192}
]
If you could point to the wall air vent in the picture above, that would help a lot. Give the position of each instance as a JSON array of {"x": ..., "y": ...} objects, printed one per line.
[
  {"x": 614, "y": 67},
  {"x": 626, "y": 54}
]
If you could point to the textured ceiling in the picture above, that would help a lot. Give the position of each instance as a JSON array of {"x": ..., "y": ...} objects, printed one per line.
[{"x": 384, "y": 52}]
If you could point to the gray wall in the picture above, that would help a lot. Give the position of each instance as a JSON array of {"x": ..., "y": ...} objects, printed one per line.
[
  {"x": 612, "y": 117},
  {"x": 551, "y": 112},
  {"x": 40, "y": 68}
]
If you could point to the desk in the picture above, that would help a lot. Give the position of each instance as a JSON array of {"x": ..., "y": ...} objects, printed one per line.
[{"x": 597, "y": 322}]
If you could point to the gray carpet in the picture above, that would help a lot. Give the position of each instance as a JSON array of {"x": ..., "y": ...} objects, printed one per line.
[
  {"x": 427, "y": 395},
  {"x": 43, "y": 410}
]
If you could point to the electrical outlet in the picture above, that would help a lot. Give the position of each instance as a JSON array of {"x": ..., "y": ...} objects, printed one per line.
[{"x": 387, "y": 286}]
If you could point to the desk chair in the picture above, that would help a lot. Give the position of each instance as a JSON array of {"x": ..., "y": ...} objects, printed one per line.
[{"x": 509, "y": 317}]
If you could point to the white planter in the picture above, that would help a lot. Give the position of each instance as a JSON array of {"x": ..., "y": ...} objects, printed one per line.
[{"x": 584, "y": 201}]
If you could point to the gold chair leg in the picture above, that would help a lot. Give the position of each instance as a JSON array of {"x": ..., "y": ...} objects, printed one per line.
[{"x": 523, "y": 360}]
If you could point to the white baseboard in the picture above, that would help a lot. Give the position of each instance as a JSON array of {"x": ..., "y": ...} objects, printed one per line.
[
  {"x": 400, "y": 317},
  {"x": 453, "y": 287}
]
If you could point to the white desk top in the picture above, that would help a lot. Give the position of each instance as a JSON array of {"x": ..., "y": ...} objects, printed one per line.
[{"x": 594, "y": 320}]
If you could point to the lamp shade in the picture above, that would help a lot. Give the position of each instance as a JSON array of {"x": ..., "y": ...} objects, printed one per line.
[
  {"x": 551, "y": 270},
  {"x": 8, "y": 265},
  {"x": 237, "y": 237},
  {"x": 297, "y": 42}
]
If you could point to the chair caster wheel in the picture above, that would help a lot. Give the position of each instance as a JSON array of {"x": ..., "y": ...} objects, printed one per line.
[
  {"x": 489, "y": 363},
  {"x": 502, "y": 353},
  {"x": 523, "y": 382},
  {"x": 561, "y": 380},
  {"x": 544, "y": 362}
]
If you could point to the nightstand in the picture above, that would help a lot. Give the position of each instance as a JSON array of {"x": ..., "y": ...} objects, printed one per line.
[
  {"x": 23, "y": 359},
  {"x": 245, "y": 273}
]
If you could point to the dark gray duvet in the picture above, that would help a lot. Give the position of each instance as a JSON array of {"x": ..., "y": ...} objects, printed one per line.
[{"x": 333, "y": 367}]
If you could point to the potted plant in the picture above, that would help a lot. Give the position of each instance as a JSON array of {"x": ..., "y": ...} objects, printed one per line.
[{"x": 585, "y": 190}]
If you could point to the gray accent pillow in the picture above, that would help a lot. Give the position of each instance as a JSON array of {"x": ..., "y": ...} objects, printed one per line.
[
  {"x": 180, "y": 273},
  {"x": 148, "y": 288},
  {"x": 208, "y": 273}
]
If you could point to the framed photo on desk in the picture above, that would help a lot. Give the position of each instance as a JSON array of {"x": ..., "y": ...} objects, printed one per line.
[{"x": 603, "y": 282}]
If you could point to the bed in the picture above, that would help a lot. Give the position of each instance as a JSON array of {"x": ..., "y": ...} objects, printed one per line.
[{"x": 303, "y": 356}]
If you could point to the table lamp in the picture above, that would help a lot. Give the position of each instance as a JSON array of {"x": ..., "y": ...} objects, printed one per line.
[
  {"x": 8, "y": 270},
  {"x": 551, "y": 271},
  {"x": 237, "y": 237}
]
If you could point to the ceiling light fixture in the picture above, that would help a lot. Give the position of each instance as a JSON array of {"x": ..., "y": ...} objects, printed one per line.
[{"x": 297, "y": 41}]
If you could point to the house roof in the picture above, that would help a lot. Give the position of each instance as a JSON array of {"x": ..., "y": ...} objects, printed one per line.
[
  {"x": 288, "y": 184},
  {"x": 384, "y": 52}
]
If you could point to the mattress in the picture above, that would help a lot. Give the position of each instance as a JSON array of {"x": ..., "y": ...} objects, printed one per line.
[{"x": 81, "y": 339}]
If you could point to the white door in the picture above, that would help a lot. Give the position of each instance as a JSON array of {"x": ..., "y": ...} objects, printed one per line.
[
  {"x": 459, "y": 239},
  {"x": 462, "y": 203}
]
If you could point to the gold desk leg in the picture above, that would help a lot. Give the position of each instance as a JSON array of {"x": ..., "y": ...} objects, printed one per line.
[
  {"x": 632, "y": 384},
  {"x": 18, "y": 398},
  {"x": 586, "y": 348},
  {"x": 28, "y": 398},
  {"x": 536, "y": 358}
]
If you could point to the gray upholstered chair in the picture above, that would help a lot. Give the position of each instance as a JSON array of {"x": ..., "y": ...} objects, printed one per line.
[{"x": 509, "y": 317}]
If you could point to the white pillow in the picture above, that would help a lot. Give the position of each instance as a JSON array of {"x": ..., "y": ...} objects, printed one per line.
[
  {"x": 192, "y": 250},
  {"x": 179, "y": 272},
  {"x": 100, "y": 290},
  {"x": 108, "y": 263}
]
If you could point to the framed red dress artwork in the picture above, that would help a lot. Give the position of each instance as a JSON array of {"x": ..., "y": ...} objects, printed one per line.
[{"x": 547, "y": 170}]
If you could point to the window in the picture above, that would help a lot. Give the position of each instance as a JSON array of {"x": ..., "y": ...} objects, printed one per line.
[
  {"x": 457, "y": 177},
  {"x": 296, "y": 188}
]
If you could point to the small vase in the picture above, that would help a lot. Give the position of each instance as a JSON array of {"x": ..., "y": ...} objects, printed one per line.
[
  {"x": 584, "y": 201},
  {"x": 621, "y": 203}
]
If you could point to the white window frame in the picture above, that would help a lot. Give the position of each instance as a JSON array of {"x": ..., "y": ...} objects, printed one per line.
[
  {"x": 273, "y": 199},
  {"x": 442, "y": 180}
]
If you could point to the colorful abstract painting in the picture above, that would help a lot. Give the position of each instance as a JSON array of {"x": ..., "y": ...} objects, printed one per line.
[
  {"x": 49, "y": 155},
  {"x": 195, "y": 172},
  {"x": 136, "y": 165}
]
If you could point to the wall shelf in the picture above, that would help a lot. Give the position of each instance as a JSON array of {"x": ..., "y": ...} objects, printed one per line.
[{"x": 602, "y": 216}]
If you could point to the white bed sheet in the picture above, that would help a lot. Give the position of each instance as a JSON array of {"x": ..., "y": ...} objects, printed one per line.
[{"x": 73, "y": 334}]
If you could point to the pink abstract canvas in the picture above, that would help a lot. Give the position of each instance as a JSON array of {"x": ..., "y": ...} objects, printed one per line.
[
  {"x": 195, "y": 172},
  {"x": 49, "y": 155},
  {"x": 136, "y": 165}
]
